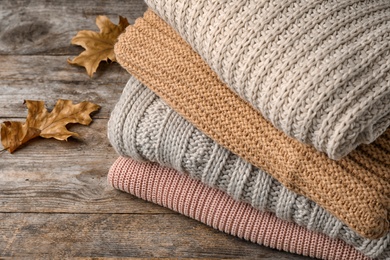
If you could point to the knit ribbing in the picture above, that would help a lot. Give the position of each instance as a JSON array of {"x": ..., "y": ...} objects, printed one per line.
[
  {"x": 318, "y": 70},
  {"x": 355, "y": 189},
  {"x": 187, "y": 196},
  {"x": 205, "y": 160}
]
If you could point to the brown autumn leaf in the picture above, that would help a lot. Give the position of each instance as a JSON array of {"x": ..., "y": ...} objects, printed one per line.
[
  {"x": 99, "y": 46},
  {"x": 40, "y": 122}
]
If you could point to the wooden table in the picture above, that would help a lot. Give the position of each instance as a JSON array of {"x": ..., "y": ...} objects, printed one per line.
[{"x": 54, "y": 198}]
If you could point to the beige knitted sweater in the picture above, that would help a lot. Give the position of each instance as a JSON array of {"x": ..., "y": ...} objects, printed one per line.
[{"x": 317, "y": 70}]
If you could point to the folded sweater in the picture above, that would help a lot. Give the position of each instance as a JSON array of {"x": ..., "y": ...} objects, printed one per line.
[
  {"x": 143, "y": 127},
  {"x": 316, "y": 69},
  {"x": 178, "y": 192},
  {"x": 355, "y": 189}
]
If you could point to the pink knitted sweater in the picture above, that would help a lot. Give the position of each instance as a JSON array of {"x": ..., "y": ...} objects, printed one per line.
[{"x": 178, "y": 192}]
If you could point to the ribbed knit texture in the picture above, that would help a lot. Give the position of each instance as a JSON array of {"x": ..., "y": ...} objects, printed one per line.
[
  {"x": 355, "y": 189},
  {"x": 317, "y": 69},
  {"x": 191, "y": 198},
  {"x": 143, "y": 127}
]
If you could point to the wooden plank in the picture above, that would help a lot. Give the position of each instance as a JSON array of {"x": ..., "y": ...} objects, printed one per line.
[
  {"x": 121, "y": 235},
  {"x": 50, "y": 78},
  {"x": 47, "y": 27},
  {"x": 47, "y": 175}
]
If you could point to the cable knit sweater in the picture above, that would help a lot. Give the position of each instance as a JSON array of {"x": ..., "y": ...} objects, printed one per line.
[
  {"x": 143, "y": 127},
  {"x": 317, "y": 69}
]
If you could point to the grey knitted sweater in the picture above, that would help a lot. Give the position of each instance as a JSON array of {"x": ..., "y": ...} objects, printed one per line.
[
  {"x": 317, "y": 69},
  {"x": 143, "y": 127}
]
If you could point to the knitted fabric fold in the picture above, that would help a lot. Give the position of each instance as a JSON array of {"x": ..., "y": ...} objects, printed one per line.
[
  {"x": 319, "y": 70},
  {"x": 180, "y": 193},
  {"x": 143, "y": 127},
  {"x": 355, "y": 189}
]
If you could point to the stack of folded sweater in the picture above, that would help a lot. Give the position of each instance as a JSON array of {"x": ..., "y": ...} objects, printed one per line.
[{"x": 267, "y": 120}]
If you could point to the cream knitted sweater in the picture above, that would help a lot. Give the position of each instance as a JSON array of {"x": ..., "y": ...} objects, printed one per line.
[{"x": 318, "y": 70}]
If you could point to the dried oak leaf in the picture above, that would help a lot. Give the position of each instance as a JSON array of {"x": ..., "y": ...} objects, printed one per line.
[
  {"x": 40, "y": 122},
  {"x": 99, "y": 46}
]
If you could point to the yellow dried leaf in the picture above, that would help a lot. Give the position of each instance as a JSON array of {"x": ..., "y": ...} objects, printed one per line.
[
  {"x": 99, "y": 46},
  {"x": 40, "y": 122}
]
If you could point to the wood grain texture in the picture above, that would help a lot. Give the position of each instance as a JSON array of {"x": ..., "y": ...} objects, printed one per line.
[
  {"x": 48, "y": 175},
  {"x": 124, "y": 235},
  {"x": 44, "y": 27},
  {"x": 54, "y": 199},
  {"x": 49, "y": 78}
]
